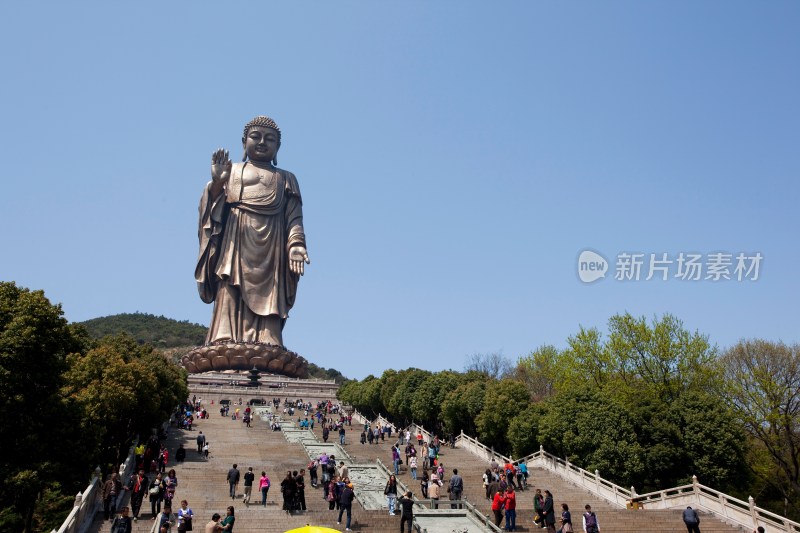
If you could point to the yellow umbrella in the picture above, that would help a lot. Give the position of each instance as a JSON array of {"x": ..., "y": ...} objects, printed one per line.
[{"x": 313, "y": 529}]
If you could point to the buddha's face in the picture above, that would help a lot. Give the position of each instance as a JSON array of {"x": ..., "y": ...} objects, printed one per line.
[{"x": 261, "y": 144}]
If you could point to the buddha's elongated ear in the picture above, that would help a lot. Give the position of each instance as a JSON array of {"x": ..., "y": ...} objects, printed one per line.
[{"x": 275, "y": 159}]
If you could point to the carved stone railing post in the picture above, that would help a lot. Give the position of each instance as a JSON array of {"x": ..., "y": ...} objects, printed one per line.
[{"x": 753, "y": 513}]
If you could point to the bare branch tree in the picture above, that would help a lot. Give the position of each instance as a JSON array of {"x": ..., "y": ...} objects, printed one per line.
[
  {"x": 495, "y": 365},
  {"x": 764, "y": 385}
]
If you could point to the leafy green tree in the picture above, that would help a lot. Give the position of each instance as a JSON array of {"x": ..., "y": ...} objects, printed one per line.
[
  {"x": 503, "y": 400},
  {"x": 426, "y": 405},
  {"x": 390, "y": 380},
  {"x": 593, "y": 431},
  {"x": 407, "y": 387},
  {"x": 462, "y": 405},
  {"x": 663, "y": 356},
  {"x": 523, "y": 431},
  {"x": 35, "y": 340},
  {"x": 542, "y": 371},
  {"x": 713, "y": 440},
  {"x": 656, "y": 370},
  {"x": 658, "y": 430},
  {"x": 123, "y": 389},
  {"x": 365, "y": 395},
  {"x": 764, "y": 387},
  {"x": 348, "y": 393}
]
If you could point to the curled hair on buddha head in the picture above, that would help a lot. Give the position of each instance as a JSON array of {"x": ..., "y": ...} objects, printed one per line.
[{"x": 263, "y": 121}]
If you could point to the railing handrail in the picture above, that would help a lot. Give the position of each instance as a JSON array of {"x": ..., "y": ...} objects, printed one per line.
[
  {"x": 261, "y": 390},
  {"x": 402, "y": 487},
  {"x": 489, "y": 451},
  {"x": 547, "y": 458},
  {"x": 92, "y": 495},
  {"x": 761, "y": 514},
  {"x": 428, "y": 504},
  {"x": 555, "y": 464},
  {"x": 266, "y": 377},
  {"x": 660, "y": 493},
  {"x": 420, "y": 430}
]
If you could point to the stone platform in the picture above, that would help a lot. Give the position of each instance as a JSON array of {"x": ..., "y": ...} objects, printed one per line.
[{"x": 232, "y": 385}]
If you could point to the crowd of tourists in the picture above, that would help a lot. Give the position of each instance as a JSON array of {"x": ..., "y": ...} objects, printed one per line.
[
  {"x": 151, "y": 481},
  {"x": 423, "y": 461},
  {"x": 413, "y": 454}
]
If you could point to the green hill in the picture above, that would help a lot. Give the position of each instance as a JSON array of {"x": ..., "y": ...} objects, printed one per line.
[
  {"x": 173, "y": 337},
  {"x": 159, "y": 331}
]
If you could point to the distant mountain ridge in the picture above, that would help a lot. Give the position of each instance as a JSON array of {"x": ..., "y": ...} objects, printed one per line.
[
  {"x": 158, "y": 331},
  {"x": 173, "y": 337}
]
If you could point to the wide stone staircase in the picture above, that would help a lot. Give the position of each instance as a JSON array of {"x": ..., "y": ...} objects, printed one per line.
[
  {"x": 471, "y": 469},
  {"x": 203, "y": 482},
  {"x": 611, "y": 518}
]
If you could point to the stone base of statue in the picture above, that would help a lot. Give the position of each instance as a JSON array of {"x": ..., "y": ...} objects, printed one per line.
[{"x": 245, "y": 356}]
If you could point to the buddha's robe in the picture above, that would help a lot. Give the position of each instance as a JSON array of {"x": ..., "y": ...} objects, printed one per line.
[{"x": 245, "y": 235}]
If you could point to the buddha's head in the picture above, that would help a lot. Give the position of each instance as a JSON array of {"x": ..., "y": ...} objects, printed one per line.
[{"x": 261, "y": 140}]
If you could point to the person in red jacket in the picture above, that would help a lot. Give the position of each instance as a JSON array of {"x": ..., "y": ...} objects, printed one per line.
[
  {"x": 497, "y": 506},
  {"x": 509, "y": 473},
  {"x": 511, "y": 509}
]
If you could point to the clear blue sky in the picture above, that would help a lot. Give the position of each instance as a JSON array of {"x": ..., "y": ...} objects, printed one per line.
[{"x": 454, "y": 158}]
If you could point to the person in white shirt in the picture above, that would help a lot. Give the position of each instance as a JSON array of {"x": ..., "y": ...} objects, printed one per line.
[{"x": 590, "y": 523}]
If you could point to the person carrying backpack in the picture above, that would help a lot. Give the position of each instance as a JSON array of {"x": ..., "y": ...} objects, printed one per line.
[{"x": 590, "y": 523}]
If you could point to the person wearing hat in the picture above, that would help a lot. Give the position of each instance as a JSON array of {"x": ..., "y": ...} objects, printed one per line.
[{"x": 406, "y": 502}]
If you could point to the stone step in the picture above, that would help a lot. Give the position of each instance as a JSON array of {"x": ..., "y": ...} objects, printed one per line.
[{"x": 202, "y": 482}]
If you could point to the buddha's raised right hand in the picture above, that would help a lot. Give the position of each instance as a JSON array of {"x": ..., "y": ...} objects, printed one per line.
[{"x": 220, "y": 167}]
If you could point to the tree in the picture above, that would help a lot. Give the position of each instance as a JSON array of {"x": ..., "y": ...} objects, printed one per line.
[
  {"x": 364, "y": 395},
  {"x": 764, "y": 387},
  {"x": 541, "y": 371},
  {"x": 426, "y": 403},
  {"x": 390, "y": 380},
  {"x": 713, "y": 440},
  {"x": 35, "y": 340},
  {"x": 662, "y": 358},
  {"x": 462, "y": 405},
  {"x": 523, "y": 431},
  {"x": 493, "y": 365},
  {"x": 123, "y": 389},
  {"x": 502, "y": 402},
  {"x": 657, "y": 370},
  {"x": 399, "y": 405},
  {"x": 595, "y": 432}
]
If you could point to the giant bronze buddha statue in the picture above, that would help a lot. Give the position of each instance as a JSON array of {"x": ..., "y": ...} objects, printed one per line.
[{"x": 252, "y": 254}]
